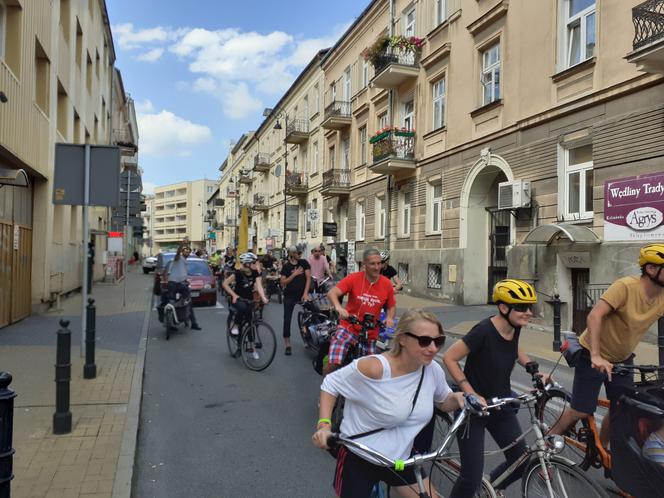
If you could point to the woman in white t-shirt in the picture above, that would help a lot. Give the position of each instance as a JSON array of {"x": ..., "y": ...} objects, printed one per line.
[{"x": 379, "y": 392}]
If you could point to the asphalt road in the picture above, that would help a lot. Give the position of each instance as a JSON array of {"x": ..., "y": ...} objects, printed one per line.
[{"x": 211, "y": 428}]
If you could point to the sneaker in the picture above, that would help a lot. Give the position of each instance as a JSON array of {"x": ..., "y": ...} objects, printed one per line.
[
  {"x": 195, "y": 326},
  {"x": 255, "y": 355},
  {"x": 235, "y": 330},
  {"x": 288, "y": 351}
]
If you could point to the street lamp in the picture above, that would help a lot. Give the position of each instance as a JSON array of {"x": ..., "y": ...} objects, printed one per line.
[{"x": 283, "y": 114}]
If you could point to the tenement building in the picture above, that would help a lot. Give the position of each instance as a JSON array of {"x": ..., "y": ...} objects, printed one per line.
[{"x": 483, "y": 139}]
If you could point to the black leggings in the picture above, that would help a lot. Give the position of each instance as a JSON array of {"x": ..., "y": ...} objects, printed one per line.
[
  {"x": 504, "y": 429},
  {"x": 289, "y": 306},
  {"x": 242, "y": 312}
]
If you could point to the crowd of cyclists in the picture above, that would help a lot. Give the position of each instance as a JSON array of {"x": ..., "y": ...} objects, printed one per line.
[{"x": 390, "y": 395}]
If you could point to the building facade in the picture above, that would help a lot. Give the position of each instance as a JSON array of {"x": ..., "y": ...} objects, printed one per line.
[
  {"x": 179, "y": 213},
  {"x": 56, "y": 71}
]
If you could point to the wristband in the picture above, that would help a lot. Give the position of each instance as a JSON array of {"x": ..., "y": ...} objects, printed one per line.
[{"x": 324, "y": 421}]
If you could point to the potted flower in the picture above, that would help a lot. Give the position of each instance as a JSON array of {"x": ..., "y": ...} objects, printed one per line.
[{"x": 403, "y": 44}]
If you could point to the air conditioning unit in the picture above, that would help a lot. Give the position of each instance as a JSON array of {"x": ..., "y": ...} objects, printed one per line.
[{"x": 514, "y": 195}]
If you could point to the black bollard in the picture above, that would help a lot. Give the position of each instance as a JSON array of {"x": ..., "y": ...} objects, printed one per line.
[
  {"x": 555, "y": 302},
  {"x": 62, "y": 415},
  {"x": 90, "y": 368},
  {"x": 6, "y": 431},
  {"x": 660, "y": 340}
]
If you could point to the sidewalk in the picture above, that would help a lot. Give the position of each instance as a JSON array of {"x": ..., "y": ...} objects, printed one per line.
[
  {"x": 96, "y": 458},
  {"x": 458, "y": 320}
]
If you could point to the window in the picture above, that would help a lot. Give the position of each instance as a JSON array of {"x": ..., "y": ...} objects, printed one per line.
[
  {"x": 97, "y": 63},
  {"x": 409, "y": 114},
  {"x": 365, "y": 73},
  {"x": 434, "y": 276},
  {"x": 409, "y": 22},
  {"x": 579, "y": 181},
  {"x": 363, "y": 145},
  {"x": 306, "y": 107},
  {"x": 380, "y": 217},
  {"x": 88, "y": 73},
  {"x": 65, "y": 16},
  {"x": 490, "y": 77},
  {"x": 438, "y": 91},
  {"x": 347, "y": 88},
  {"x": 404, "y": 214},
  {"x": 579, "y": 29},
  {"x": 441, "y": 11},
  {"x": 435, "y": 208},
  {"x": 382, "y": 121},
  {"x": 317, "y": 98},
  {"x": 63, "y": 111},
  {"x": 402, "y": 272},
  {"x": 42, "y": 78},
  {"x": 314, "y": 159},
  {"x": 359, "y": 221},
  {"x": 10, "y": 35},
  {"x": 331, "y": 157},
  {"x": 314, "y": 223},
  {"x": 345, "y": 158}
]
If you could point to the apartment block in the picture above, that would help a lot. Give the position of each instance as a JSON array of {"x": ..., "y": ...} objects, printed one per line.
[
  {"x": 56, "y": 70},
  {"x": 179, "y": 213}
]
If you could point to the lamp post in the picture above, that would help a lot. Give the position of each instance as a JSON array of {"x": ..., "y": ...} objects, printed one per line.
[{"x": 282, "y": 114}]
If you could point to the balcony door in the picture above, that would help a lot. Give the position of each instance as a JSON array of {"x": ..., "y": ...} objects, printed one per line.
[
  {"x": 409, "y": 114},
  {"x": 345, "y": 157},
  {"x": 347, "y": 85}
]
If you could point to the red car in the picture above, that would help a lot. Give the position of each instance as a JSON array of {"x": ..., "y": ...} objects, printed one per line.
[{"x": 202, "y": 281}]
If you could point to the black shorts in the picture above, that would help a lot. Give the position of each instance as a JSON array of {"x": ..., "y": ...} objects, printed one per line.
[
  {"x": 355, "y": 477},
  {"x": 588, "y": 382}
]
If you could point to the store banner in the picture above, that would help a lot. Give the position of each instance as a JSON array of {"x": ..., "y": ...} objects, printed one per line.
[
  {"x": 292, "y": 218},
  {"x": 634, "y": 208}
]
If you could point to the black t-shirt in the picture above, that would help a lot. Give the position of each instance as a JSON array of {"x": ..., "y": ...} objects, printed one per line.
[
  {"x": 268, "y": 262},
  {"x": 491, "y": 359},
  {"x": 389, "y": 272},
  {"x": 244, "y": 284},
  {"x": 296, "y": 287}
]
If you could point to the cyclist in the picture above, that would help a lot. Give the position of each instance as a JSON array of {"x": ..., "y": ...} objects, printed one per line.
[
  {"x": 215, "y": 260},
  {"x": 319, "y": 266},
  {"x": 388, "y": 271},
  {"x": 490, "y": 350},
  {"x": 615, "y": 326},
  {"x": 177, "y": 280},
  {"x": 246, "y": 281},
  {"x": 389, "y": 400},
  {"x": 368, "y": 291},
  {"x": 295, "y": 281}
]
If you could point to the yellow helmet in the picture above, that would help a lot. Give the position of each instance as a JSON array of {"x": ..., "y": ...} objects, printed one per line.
[
  {"x": 652, "y": 253},
  {"x": 511, "y": 291}
]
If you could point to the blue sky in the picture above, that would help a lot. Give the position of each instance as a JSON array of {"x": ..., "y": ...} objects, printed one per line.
[{"x": 201, "y": 75}]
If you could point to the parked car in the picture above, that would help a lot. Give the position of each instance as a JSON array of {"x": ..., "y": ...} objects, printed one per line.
[
  {"x": 149, "y": 264},
  {"x": 202, "y": 281}
]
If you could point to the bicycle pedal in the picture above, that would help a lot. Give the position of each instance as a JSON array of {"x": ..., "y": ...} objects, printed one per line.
[
  {"x": 584, "y": 435},
  {"x": 258, "y": 345}
]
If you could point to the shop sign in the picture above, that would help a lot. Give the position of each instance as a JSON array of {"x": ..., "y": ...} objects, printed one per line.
[
  {"x": 634, "y": 208},
  {"x": 292, "y": 218},
  {"x": 329, "y": 229}
]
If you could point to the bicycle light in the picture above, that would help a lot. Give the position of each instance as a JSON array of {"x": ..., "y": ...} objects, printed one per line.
[{"x": 556, "y": 443}]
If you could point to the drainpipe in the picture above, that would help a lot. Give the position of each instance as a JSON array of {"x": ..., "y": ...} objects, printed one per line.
[{"x": 390, "y": 116}]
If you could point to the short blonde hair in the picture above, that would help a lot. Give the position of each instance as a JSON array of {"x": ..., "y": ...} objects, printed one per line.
[{"x": 406, "y": 325}]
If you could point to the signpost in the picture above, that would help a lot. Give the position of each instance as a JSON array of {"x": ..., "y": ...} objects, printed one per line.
[{"x": 86, "y": 175}]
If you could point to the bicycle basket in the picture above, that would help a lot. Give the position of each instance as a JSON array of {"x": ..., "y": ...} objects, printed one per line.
[{"x": 635, "y": 417}]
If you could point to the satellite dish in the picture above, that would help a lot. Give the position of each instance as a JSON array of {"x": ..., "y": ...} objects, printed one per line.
[{"x": 277, "y": 170}]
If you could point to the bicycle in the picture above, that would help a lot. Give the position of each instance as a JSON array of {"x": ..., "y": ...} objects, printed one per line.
[
  {"x": 561, "y": 477},
  {"x": 584, "y": 436},
  {"x": 256, "y": 342}
]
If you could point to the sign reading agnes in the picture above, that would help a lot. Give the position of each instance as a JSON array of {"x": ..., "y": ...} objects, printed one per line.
[{"x": 634, "y": 207}]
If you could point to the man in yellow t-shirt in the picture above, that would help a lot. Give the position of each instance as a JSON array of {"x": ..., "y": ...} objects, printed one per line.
[{"x": 615, "y": 326}]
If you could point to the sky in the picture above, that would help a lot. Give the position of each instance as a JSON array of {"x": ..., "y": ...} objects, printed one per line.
[{"x": 201, "y": 72}]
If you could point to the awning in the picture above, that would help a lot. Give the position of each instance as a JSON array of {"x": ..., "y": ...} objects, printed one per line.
[
  {"x": 14, "y": 177},
  {"x": 545, "y": 234}
]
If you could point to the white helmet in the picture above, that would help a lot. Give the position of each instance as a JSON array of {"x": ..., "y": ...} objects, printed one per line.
[
  {"x": 248, "y": 258},
  {"x": 384, "y": 255}
]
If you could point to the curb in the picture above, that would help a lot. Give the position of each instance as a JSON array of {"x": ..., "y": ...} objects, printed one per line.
[{"x": 125, "y": 468}]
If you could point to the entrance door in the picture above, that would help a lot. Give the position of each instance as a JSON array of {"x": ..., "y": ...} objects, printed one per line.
[
  {"x": 499, "y": 239},
  {"x": 582, "y": 302}
]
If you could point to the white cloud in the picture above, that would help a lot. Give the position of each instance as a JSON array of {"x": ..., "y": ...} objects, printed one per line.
[
  {"x": 151, "y": 55},
  {"x": 130, "y": 38},
  {"x": 144, "y": 107},
  {"x": 148, "y": 188},
  {"x": 164, "y": 133}
]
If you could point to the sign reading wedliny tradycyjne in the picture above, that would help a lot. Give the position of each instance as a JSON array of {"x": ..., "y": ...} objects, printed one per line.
[{"x": 634, "y": 208}]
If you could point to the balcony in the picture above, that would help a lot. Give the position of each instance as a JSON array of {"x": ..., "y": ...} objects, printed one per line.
[
  {"x": 648, "y": 45},
  {"x": 124, "y": 140},
  {"x": 262, "y": 163},
  {"x": 336, "y": 183},
  {"x": 393, "y": 67},
  {"x": 393, "y": 152},
  {"x": 337, "y": 115},
  {"x": 297, "y": 131},
  {"x": 296, "y": 183},
  {"x": 260, "y": 202},
  {"x": 246, "y": 178}
]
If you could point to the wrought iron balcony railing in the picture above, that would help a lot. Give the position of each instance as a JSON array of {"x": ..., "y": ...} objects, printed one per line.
[
  {"x": 296, "y": 183},
  {"x": 396, "y": 56},
  {"x": 260, "y": 200},
  {"x": 648, "y": 19},
  {"x": 261, "y": 161},
  {"x": 336, "y": 178},
  {"x": 338, "y": 108},
  {"x": 297, "y": 126},
  {"x": 394, "y": 144}
]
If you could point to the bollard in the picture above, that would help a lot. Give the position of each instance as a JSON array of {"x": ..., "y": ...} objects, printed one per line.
[
  {"x": 90, "y": 368},
  {"x": 555, "y": 302},
  {"x": 660, "y": 340},
  {"x": 6, "y": 429},
  {"x": 62, "y": 415}
]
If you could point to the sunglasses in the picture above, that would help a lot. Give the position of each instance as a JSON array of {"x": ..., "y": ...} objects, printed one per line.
[
  {"x": 425, "y": 340},
  {"x": 522, "y": 307}
]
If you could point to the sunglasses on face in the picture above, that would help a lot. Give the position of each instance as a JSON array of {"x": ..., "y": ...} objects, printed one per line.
[
  {"x": 522, "y": 307},
  {"x": 425, "y": 340}
]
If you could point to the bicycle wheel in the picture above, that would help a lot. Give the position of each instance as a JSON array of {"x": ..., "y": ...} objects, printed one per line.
[
  {"x": 169, "y": 322},
  {"x": 566, "y": 481},
  {"x": 444, "y": 473},
  {"x": 258, "y": 346},
  {"x": 549, "y": 409},
  {"x": 231, "y": 340}
]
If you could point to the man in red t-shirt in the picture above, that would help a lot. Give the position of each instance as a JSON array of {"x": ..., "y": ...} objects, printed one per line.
[{"x": 368, "y": 291}]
